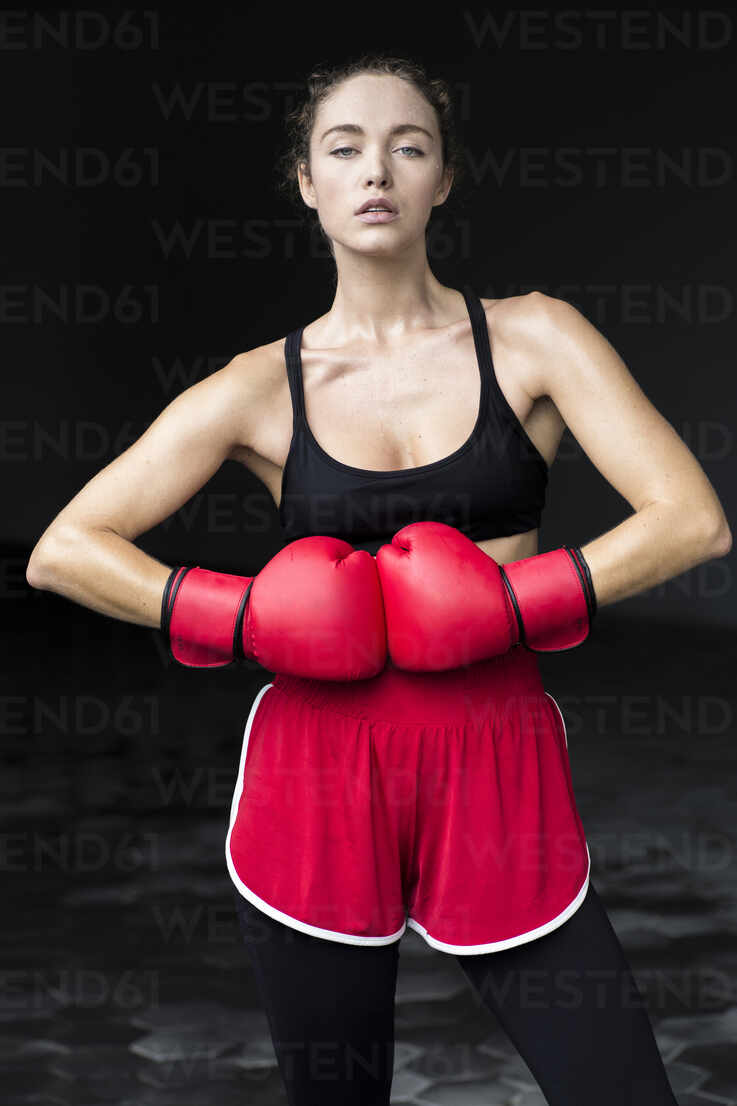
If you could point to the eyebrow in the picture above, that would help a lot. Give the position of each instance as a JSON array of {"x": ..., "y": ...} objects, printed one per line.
[{"x": 353, "y": 128}]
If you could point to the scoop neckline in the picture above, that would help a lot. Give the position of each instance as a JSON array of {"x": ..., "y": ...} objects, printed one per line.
[{"x": 431, "y": 465}]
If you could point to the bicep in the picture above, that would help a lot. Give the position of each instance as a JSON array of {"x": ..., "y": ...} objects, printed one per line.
[
  {"x": 624, "y": 435},
  {"x": 174, "y": 457}
]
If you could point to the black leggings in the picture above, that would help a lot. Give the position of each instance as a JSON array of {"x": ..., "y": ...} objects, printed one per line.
[{"x": 567, "y": 1000}]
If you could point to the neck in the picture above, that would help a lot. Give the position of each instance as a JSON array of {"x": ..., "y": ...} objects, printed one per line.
[{"x": 379, "y": 300}]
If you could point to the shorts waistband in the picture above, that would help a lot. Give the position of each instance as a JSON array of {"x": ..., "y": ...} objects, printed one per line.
[{"x": 456, "y": 696}]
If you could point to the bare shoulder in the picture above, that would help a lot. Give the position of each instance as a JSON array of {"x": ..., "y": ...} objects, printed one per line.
[
  {"x": 528, "y": 315},
  {"x": 257, "y": 370},
  {"x": 525, "y": 328},
  {"x": 251, "y": 384}
]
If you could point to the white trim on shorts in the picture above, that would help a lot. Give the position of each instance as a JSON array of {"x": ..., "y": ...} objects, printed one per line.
[{"x": 412, "y": 923}]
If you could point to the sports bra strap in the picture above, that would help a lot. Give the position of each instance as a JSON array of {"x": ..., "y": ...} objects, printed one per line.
[{"x": 294, "y": 371}]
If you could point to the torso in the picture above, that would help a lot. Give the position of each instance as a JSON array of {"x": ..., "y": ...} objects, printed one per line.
[{"x": 398, "y": 409}]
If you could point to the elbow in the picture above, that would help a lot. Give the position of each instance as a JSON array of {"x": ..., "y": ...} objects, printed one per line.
[
  {"x": 46, "y": 556},
  {"x": 725, "y": 542},
  {"x": 38, "y": 568},
  {"x": 716, "y": 537}
]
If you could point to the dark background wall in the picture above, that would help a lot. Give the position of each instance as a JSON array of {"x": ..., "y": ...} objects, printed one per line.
[
  {"x": 146, "y": 243},
  {"x": 143, "y": 246}
]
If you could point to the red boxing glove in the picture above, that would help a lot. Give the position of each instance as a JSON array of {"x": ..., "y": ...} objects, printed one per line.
[
  {"x": 448, "y": 604},
  {"x": 315, "y": 610}
]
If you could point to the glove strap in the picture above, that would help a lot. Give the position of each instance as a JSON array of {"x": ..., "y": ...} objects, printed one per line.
[
  {"x": 238, "y": 652},
  {"x": 585, "y": 575},
  {"x": 167, "y": 599},
  {"x": 514, "y": 605}
]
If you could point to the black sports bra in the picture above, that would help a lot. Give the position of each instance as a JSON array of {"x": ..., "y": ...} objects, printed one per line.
[{"x": 491, "y": 486}]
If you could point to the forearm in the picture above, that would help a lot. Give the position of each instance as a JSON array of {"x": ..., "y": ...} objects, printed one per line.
[
  {"x": 656, "y": 543},
  {"x": 103, "y": 571}
]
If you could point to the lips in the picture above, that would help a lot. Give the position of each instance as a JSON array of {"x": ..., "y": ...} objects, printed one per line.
[{"x": 384, "y": 204}]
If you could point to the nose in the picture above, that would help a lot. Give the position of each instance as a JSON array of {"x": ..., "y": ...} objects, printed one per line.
[{"x": 379, "y": 175}]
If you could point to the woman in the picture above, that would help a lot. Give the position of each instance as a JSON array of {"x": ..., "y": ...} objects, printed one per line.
[{"x": 406, "y": 766}]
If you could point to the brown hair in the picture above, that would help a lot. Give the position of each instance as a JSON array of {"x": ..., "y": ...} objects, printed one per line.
[{"x": 322, "y": 81}]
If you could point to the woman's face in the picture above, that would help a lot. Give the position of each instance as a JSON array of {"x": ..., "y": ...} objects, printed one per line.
[{"x": 348, "y": 167}]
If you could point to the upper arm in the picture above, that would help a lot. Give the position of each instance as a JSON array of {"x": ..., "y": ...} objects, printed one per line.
[
  {"x": 178, "y": 453},
  {"x": 629, "y": 441}
]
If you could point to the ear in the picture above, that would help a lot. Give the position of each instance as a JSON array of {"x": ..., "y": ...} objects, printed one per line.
[
  {"x": 444, "y": 187},
  {"x": 304, "y": 181}
]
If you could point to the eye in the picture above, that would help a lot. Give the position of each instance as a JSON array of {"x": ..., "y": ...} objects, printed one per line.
[{"x": 340, "y": 150}]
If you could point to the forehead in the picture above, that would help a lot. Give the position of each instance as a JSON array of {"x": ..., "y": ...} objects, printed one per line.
[{"x": 374, "y": 99}]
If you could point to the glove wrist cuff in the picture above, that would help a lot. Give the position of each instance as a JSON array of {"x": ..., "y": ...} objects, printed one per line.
[
  {"x": 553, "y": 598},
  {"x": 202, "y": 616}
]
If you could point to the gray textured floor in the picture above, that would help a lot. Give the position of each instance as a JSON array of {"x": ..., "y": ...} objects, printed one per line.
[{"x": 124, "y": 978}]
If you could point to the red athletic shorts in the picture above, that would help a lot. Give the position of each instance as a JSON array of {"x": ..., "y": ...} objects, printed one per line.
[{"x": 442, "y": 801}]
